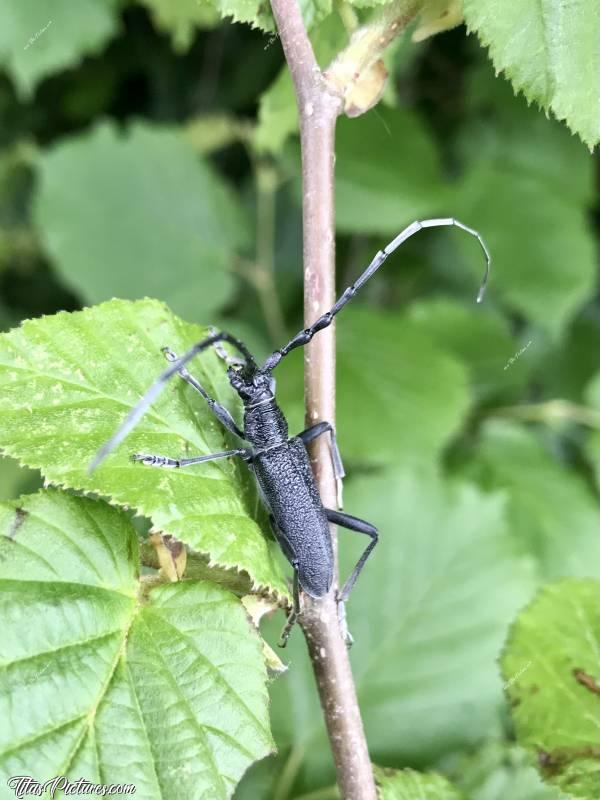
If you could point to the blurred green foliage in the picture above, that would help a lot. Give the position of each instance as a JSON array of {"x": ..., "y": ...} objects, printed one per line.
[{"x": 149, "y": 149}]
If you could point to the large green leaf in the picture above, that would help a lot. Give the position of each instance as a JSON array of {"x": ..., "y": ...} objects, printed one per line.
[
  {"x": 442, "y": 589},
  {"x": 480, "y": 340},
  {"x": 553, "y": 515},
  {"x": 550, "y": 52},
  {"x": 67, "y": 382},
  {"x": 387, "y": 173},
  {"x": 161, "y": 688},
  {"x": 428, "y": 615},
  {"x": 544, "y": 259},
  {"x": 139, "y": 214},
  {"x": 400, "y": 397},
  {"x": 501, "y": 128},
  {"x": 528, "y": 188},
  {"x": 552, "y": 671},
  {"x": 39, "y": 39},
  {"x": 406, "y": 784}
]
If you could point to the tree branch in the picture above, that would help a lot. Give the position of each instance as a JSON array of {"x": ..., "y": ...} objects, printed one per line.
[
  {"x": 298, "y": 50},
  {"x": 318, "y": 108}
]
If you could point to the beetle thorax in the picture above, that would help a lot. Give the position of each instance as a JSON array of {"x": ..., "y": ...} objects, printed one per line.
[{"x": 264, "y": 423}]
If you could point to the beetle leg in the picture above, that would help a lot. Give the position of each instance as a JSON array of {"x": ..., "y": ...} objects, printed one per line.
[
  {"x": 294, "y": 613},
  {"x": 230, "y": 361},
  {"x": 338, "y": 468},
  {"x": 164, "y": 461},
  {"x": 138, "y": 411},
  {"x": 218, "y": 410},
  {"x": 360, "y": 526}
]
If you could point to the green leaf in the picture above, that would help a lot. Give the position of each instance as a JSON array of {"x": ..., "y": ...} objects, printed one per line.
[
  {"x": 480, "y": 340},
  {"x": 552, "y": 513},
  {"x": 68, "y": 381},
  {"x": 277, "y": 114},
  {"x": 39, "y": 39},
  {"x": 551, "y": 666},
  {"x": 442, "y": 589},
  {"x": 407, "y": 784},
  {"x": 388, "y": 172},
  {"x": 400, "y": 397},
  {"x": 428, "y": 615},
  {"x": 313, "y": 11},
  {"x": 181, "y": 19},
  {"x": 258, "y": 14},
  {"x": 260, "y": 781},
  {"x": 502, "y": 129},
  {"x": 158, "y": 222},
  {"x": 162, "y": 688},
  {"x": 544, "y": 259},
  {"x": 550, "y": 52},
  {"x": 498, "y": 771}
]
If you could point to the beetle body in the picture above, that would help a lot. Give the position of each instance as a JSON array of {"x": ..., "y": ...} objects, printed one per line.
[
  {"x": 281, "y": 464},
  {"x": 282, "y": 469},
  {"x": 287, "y": 483}
]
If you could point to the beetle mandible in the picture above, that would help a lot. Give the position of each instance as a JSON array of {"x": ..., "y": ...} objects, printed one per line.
[{"x": 281, "y": 463}]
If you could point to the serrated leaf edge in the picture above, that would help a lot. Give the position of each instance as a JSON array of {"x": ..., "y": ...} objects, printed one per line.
[
  {"x": 521, "y": 89},
  {"x": 257, "y": 588}
]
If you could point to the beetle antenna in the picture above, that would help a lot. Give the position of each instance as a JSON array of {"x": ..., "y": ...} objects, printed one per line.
[
  {"x": 136, "y": 413},
  {"x": 304, "y": 336}
]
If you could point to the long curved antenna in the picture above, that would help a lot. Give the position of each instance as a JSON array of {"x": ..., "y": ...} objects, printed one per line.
[
  {"x": 159, "y": 384},
  {"x": 304, "y": 336}
]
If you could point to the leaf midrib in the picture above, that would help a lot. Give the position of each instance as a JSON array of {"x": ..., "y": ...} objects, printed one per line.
[{"x": 135, "y": 609}]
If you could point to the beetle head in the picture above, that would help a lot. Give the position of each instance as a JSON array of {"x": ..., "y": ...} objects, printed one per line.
[{"x": 253, "y": 387}]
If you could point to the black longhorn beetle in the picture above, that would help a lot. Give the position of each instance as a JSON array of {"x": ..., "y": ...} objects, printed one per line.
[{"x": 280, "y": 463}]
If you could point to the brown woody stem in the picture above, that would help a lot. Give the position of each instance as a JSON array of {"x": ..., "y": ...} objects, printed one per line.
[{"x": 319, "y": 108}]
